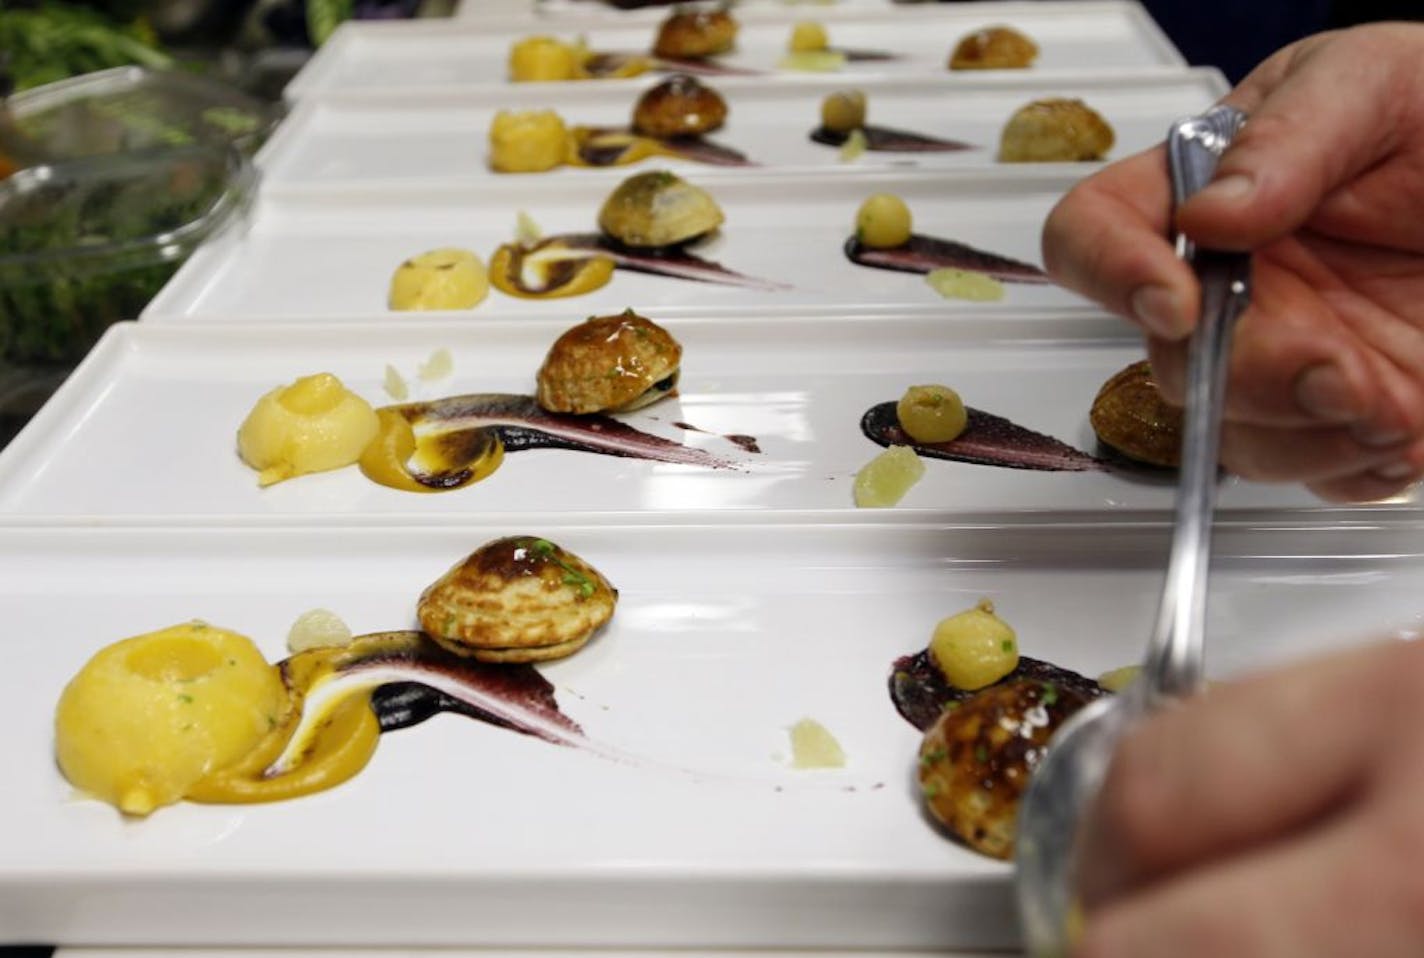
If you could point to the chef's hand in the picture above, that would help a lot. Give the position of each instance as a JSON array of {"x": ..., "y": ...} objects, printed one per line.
[
  {"x": 1325, "y": 184},
  {"x": 1280, "y": 817}
]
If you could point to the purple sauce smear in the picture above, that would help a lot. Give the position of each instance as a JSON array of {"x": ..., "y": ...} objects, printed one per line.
[
  {"x": 987, "y": 440},
  {"x": 693, "y": 148},
  {"x": 885, "y": 139},
  {"x": 921, "y": 693},
  {"x": 672, "y": 261},
  {"x": 921, "y": 254},
  {"x": 741, "y": 440},
  {"x": 523, "y": 424},
  {"x": 427, "y": 679}
]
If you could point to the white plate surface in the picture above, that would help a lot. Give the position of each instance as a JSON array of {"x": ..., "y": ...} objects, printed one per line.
[
  {"x": 331, "y": 254},
  {"x": 146, "y": 428},
  {"x": 341, "y": 141},
  {"x": 559, "y": 12},
  {"x": 459, "y": 833},
  {"x": 1072, "y": 36}
]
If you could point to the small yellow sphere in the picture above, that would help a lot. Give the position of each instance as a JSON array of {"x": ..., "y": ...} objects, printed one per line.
[
  {"x": 843, "y": 111},
  {"x": 931, "y": 413},
  {"x": 883, "y": 221},
  {"x": 808, "y": 36},
  {"x": 974, "y": 648},
  {"x": 146, "y": 718}
]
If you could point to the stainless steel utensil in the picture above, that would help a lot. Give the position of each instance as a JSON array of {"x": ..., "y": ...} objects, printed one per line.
[{"x": 1077, "y": 759}]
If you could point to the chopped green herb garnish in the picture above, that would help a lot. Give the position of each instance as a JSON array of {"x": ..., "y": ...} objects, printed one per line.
[
  {"x": 981, "y": 754},
  {"x": 930, "y": 790},
  {"x": 932, "y": 756},
  {"x": 1050, "y": 693}
]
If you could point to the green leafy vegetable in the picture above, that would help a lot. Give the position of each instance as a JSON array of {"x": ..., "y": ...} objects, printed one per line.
[
  {"x": 53, "y": 311},
  {"x": 54, "y": 41},
  {"x": 324, "y": 16}
]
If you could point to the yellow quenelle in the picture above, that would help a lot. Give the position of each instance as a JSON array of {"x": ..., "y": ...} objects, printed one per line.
[
  {"x": 542, "y": 59},
  {"x": 445, "y": 278},
  {"x": 527, "y": 141},
  {"x": 974, "y": 648},
  {"x": 312, "y": 425},
  {"x": 808, "y": 36},
  {"x": 150, "y": 716}
]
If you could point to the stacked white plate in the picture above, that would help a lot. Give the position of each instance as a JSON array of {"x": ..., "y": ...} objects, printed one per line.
[{"x": 750, "y": 596}]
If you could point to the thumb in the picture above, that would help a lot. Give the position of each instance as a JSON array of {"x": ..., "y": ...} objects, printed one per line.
[{"x": 1302, "y": 139}]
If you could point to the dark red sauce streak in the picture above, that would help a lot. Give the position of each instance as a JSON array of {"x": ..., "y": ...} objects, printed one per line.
[
  {"x": 522, "y": 423},
  {"x": 920, "y": 692},
  {"x": 740, "y": 440},
  {"x": 920, "y": 254},
  {"x": 672, "y": 261},
  {"x": 402, "y": 704},
  {"x": 988, "y": 440},
  {"x": 688, "y": 147},
  {"x": 884, "y": 139}
]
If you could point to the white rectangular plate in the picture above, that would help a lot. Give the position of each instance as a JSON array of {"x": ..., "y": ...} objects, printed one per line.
[
  {"x": 1071, "y": 36},
  {"x": 459, "y": 833},
  {"x": 336, "y": 142},
  {"x": 146, "y": 428},
  {"x": 331, "y": 254},
  {"x": 559, "y": 12}
]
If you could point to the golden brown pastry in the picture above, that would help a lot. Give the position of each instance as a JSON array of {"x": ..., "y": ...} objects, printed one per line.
[
  {"x": 517, "y": 599},
  {"x": 609, "y": 363},
  {"x": 1055, "y": 131},
  {"x": 657, "y": 209},
  {"x": 1130, "y": 416},
  {"x": 692, "y": 34},
  {"x": 994, "y": 48},
  {"x": 975, "y": 761},
  {"x": 679, "y": 106}
]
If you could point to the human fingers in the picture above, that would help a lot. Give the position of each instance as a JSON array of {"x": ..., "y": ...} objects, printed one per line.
[
  {"x": 1303, "y": 139},
  {"x": 1236, "y": 767},
  {"x": 1332, "y": 892},
  {"x": 1107, "y": 240},
  {"x": 1295, "y": 363},
  {"x": 1372, "y": 485},
  {"x": 1274, "y": 454}
]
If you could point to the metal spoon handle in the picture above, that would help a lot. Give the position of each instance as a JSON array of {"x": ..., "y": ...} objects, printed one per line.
[{"x": 1173, "y": 665}]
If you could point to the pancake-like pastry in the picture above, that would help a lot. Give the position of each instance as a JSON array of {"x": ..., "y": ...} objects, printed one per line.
[
  {"x": 975, "y": 761},
  {"x": 693, "y": 34},
  {"x": 1055, "y": 130},
  {"x": 609, "y": 364},
  {"x": 1131, "y": 418},
  {"x": 994, "y": 48},
  {"x": 517, "y": 599},
  {"x": 679, "y": 106}
]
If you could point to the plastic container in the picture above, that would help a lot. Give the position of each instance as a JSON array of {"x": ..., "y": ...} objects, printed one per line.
[
  {"x": 84, "y": 243},
  {"x": 135, "y": 108}
]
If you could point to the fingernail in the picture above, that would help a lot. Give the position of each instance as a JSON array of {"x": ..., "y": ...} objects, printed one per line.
[
  {"x": 1378, "y": 436},
  {"x": 1159, "y": 310},
  {"x": 1232, "y": 188},
  {"x": 1322, "y": 391}
]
